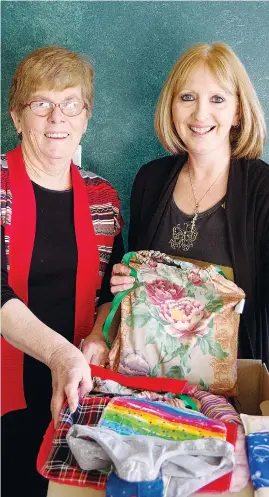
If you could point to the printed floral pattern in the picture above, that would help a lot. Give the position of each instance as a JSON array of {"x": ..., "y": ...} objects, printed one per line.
[
  {"x": 186, "y": 317},
  {"x": 195, "y": 278},
  {"x": 179, "y": 322},
  {"x": 161, "y": 290},
  {"x": 134, "y": 365}
]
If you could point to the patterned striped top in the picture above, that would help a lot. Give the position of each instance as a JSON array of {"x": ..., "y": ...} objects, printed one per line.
[{"x": 104, "y": 206}]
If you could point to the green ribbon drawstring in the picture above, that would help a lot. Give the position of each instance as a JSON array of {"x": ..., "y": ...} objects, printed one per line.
[
  {"x": 188, "y": 402},
  {"x": 118, "y": 298}
]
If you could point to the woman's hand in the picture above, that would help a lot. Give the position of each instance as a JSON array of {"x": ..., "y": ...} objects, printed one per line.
[
  {"x": 95, "y": 349},
  {"x": 121, "y": 279},
  {"x": 94, "y": 346},
  {"x": 70, "y": 371}
]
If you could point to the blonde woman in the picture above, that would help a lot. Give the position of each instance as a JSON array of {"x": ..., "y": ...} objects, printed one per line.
[
  {"x": 209, "y": 201},
  {"x": 61, "y": 232}
]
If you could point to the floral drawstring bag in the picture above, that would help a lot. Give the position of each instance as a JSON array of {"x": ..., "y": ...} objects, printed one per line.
[{"x": 178, "y": 321}]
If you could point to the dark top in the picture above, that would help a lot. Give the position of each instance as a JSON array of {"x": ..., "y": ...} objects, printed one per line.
[
  {"x": 52, "y": 277},
  {"x": 247, "y": 216},
  {"x": 211, "y": 243}
]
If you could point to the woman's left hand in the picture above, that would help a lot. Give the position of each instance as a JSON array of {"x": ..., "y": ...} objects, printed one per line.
[{"x": 95, "y": 349}]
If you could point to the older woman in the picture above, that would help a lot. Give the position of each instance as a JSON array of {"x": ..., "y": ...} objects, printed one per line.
[
  {"x": 60, "y": 237},
  {"x": 209, "y": 201}
]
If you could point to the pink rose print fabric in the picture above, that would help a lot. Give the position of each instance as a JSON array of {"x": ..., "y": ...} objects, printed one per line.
[
  {"x": 187, "y": 317},
  {"x": 161, "y": 290},
  {"x": 179, "y": 321}
]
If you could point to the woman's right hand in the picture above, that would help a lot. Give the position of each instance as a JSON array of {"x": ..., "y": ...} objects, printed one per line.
[
  {"x": 121, "y": 279},
  {"x": 70, "y": 371}
]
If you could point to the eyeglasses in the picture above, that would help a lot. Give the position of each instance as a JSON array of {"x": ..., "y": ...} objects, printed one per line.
[{"x": 69, "y": 108}]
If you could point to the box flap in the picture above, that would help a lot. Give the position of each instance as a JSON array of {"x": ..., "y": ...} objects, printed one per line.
[
  {"x": 250, "y": 386},
  {"x": 265, "y": 383}
]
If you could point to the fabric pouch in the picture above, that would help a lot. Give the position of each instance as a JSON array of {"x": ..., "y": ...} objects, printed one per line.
[{"x": 179, "y": 321}]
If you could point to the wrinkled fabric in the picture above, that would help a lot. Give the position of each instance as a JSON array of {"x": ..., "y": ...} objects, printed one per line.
[
  {"x": 255, "y": 424},
  {"x": 258, "y": 457},
  {"x": 191, "y": 464},
  {"x": 60, "y": 465},
  {"x": 217, "y": 407},
  {"x": 112, "y": 387},
  {"x": 240, "y": 474},
  {"x": 134, "y": 416},
  {"x": 257, "y": 431}
]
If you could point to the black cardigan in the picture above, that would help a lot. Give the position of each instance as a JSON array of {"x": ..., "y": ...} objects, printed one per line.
[{"x": 247, "y": 213}]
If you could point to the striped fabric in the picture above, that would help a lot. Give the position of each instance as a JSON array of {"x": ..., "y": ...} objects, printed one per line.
[
  {"x": 217, "y": 407},
  {"x": 104, "y": 206},
  {"x": 135, "y": 416}
]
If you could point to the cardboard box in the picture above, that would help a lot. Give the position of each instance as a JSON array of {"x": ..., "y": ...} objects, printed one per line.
[{"x": 253, "y": 389}]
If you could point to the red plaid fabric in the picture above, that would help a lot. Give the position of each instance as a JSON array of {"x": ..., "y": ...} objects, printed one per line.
[{"x": 60, "y": 465}]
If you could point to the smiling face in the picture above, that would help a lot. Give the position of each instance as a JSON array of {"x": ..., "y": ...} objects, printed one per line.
[
  {"x": 203, "y": 113},
  {"x": 54, "y": 137}
]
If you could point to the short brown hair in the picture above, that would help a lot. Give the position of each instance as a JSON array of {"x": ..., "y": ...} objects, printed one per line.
[
  {"x": 248, "y": 139},
  {"x": 50, "y": 68}
]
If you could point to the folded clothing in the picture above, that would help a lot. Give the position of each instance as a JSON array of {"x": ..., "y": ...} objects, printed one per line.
[
  {"x": 111, "y": 386},
  {"x": 191, "y": 464},
  {"x": 257, "y": 431},
  {"x": 240, "y": 474},
  {"x": 255, "y": 424},
  {"x": 132, "y": 415},
  {"x": 217, "y": 407},
  {"x": 56, "y": 463},
  {"x": 258, "y": 457},
  {"x": 121, "y": 413}
]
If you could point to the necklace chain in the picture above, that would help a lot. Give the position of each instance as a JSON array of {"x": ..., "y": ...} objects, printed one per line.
[
  {"x": 195, "y": 215},
  {"x": 186, "y": 236}
]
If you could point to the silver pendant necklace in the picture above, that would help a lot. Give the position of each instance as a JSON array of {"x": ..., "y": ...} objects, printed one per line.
[{"x": 185, "y": 237}]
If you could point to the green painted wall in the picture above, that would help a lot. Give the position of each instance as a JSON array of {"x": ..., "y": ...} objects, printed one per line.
[{"x": 132, "y": 46}]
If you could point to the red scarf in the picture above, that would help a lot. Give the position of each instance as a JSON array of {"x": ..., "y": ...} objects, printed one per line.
[{"x": 22, "y": 236}]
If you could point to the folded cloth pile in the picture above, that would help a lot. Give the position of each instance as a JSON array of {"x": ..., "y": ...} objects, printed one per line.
[
  {"x": 218, "y": 407},
  {"x": 57, "y": 463},
  {"x": 212, "y": 406},
  {"x": 142, "y": 440},
  {"x": 257, "y": 431}
]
